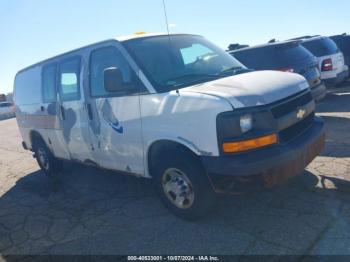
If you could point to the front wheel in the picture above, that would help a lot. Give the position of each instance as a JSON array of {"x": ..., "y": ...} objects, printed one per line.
[{"x": 183, "y": 186}]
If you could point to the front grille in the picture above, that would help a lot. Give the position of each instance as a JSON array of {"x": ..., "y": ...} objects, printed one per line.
[
  {"x": 291, "y": 104},
  {"x": 297, "y": 129},
  {"x": 289, "y": 107}
]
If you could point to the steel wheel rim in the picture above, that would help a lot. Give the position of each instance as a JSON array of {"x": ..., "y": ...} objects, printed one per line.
[
  {"x": 178, "y": 188},
  {"x": 43, "y": 159}
]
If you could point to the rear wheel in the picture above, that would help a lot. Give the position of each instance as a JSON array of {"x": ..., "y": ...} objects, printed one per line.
[
  {"x": 46, "y": 160},
  {"x": 183, "y": 185}
]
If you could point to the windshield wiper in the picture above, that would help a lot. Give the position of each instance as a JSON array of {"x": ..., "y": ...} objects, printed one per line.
[
  {"x": 199, "y": 77},
  {"x": 235, "y": 70},
  {"x": 190, "y": 75},
  {"x": 172, "y": 82}
]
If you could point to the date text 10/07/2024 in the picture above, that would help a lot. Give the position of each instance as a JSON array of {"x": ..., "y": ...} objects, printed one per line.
[{"x": 173, "y": 258}]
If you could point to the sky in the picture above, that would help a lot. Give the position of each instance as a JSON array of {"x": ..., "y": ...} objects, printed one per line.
[{"x": 33, "y": 30}]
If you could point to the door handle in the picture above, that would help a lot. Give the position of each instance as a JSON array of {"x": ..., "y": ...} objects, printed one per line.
[
  {"x": 62, "y": 113},
  {"x": 89, "y": 110}
]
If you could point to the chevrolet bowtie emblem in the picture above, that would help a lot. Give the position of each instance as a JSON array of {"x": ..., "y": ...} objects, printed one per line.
[{"x": 301, "y": 113}]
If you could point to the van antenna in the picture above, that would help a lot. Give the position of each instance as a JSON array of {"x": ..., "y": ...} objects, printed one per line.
[
  {"x": 166, "y": 18},
  {"x": 167, "y": 28}
]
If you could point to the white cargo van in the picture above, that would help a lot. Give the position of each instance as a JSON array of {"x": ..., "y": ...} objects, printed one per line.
[{"x": 174, "y": 108}]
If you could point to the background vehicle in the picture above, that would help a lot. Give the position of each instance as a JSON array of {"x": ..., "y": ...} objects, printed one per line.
[
  {"x": 185, "y": 114},
  {"x": 286, "y": 56},
  {"x": 232, "y": 47},
  {"x": 330, "y": 58},
  {"x": 343, "y": 43},
  {"x": 7, "y": 109}
]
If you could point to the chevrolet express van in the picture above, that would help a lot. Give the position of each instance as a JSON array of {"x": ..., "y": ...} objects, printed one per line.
[{"x": 174, "y": 108}]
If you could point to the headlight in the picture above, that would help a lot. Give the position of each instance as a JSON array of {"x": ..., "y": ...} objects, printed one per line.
[{"x": 246, "y": 123}]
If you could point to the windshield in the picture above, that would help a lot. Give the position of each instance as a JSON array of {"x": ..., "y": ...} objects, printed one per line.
[{"x": 176, "y": 61}]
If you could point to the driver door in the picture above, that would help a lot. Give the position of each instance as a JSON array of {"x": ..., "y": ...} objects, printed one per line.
[{"x": 115, "y": 119}]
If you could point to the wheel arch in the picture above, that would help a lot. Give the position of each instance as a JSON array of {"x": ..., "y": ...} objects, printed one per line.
[
  {"x": 161, "y": 147},
  {"x": 34, "y": 137}
]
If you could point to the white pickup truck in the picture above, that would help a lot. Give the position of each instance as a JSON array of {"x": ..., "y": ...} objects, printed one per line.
[{"x": 173, "y": 108}]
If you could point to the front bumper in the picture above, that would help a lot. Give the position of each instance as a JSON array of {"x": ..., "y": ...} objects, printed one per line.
[
  {"x": 270, "y": 166},
  {"x": 340, "y": 78}
]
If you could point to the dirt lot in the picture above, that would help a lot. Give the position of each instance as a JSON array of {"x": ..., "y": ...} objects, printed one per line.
[{"x": 90, "y": 211}]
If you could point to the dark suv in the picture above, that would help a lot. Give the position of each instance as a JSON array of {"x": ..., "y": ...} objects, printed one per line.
[
  {"x": 343, "y": 43},
  {"x": 287, "y": 56}
]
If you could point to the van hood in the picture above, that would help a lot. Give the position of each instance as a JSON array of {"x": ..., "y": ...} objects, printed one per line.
[{"x": 254, "y": 88}]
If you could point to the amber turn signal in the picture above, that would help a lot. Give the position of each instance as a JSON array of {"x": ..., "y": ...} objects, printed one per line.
[{"x": 245, "y": 145}]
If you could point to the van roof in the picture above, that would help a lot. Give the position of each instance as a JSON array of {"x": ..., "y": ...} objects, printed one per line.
[
  {"x": 140, "y": 35},
  {"x": 119, "y": 39}
]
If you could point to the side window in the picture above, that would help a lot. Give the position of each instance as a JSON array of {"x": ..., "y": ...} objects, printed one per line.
[
  {"x": 104, "y": 58},
  {"x": 48, "y": 83},
  {"x": 69, "y": 79}
]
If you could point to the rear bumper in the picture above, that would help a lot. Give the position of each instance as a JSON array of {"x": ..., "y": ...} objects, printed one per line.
[
  {"x": 319, "y": 92},
  {"x": 341, "y": 77},
  {"x": 271, "y": 165}
]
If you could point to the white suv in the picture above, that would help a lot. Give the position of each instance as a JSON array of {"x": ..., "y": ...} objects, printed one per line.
[{"x": 330, "y": 59}]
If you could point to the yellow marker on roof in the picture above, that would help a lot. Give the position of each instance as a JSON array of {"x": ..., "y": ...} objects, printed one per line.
[{"x": 139, "y": 33}]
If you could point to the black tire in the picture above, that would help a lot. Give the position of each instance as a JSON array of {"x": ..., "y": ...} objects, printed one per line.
[
  {"x": 51, "y": 165},
  {"x": 204, "y": 196}
]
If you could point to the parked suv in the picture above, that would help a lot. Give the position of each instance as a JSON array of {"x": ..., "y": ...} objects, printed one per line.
[
  {"x": 174, "y": 108},
  {"x": 287, "y": 56},
  {"x": 330, "y": 59},
  {"x": 343, "y": 43}
]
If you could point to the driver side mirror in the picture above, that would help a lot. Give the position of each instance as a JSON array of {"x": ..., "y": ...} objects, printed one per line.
[{"x": 113, "y": 80}]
